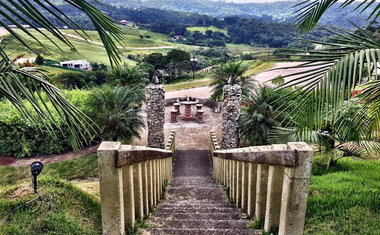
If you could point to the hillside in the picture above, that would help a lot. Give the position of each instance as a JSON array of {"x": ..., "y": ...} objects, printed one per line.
[
  {"x": 278, "y": 11},
  {"x": 92, "y": 52}
]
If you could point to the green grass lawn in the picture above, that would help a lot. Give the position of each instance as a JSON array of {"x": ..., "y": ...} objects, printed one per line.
[
  {"x": 204, "y": 29},
  {"x": 132, "y": 38},
  {"x": 73, "y": 210},
  {"x": 188, "y": 84},
  {"x": 345, "y": 200},
  {"x": 79, "y": 168},
  {"x": 257, "y": 66}
]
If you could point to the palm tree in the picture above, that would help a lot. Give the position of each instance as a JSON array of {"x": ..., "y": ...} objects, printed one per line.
[
  {"x": 21, "y": 86},
  {"x": 260, "y": 115},
  {"x": 117, "y": 112},
  {"x": 334, "y": 72},
  {"x": 231, "y": 73},
  {"x": 129, "y": 76}
]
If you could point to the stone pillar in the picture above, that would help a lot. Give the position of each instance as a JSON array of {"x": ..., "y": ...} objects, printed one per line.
[
  {"x": 232, "y": 96},
  {"x": 155, "y": 108}
]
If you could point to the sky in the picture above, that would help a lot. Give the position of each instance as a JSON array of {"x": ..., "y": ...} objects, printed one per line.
[{"x": 256, "y": 1}]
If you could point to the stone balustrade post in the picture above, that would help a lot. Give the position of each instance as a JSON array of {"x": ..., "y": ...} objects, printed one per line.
[
  {"x": 295, "y": 191},
  {"x": 232, "y": 96},
  {"x": 111, "y": 189},
  {"x": 155, "y": 108}
]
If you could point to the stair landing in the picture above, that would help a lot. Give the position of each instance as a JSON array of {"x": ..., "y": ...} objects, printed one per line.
[{"x": 195, "y": 203}]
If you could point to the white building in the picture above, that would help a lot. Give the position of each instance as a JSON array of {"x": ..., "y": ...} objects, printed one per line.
[
  {"x": 76, "y": 64},
  {"x": 25, "y": 60}
]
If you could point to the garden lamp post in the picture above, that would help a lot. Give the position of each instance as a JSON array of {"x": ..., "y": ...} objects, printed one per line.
[{"x": 193, "y": 62}]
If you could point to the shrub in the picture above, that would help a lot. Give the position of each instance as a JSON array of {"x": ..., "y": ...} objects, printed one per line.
[
  {"x": 21, "y": 139},
  {"x": 116, "y": 111},
  {"x": 40, "y": 60}
]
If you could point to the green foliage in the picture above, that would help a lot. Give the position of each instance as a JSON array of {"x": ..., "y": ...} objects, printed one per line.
[
  {"x": 344, "y": 199},
  {"x": 99, "y": 67},
  {"x": 72, "y": 212},
  {"x": 129, "y": 76},
  {"x": 176, "y": 56},
  {"x": 261, "y": 115},
  {"x": 331, "y": 76},
  {"x": 14, "y": 12},
  {"x": 233, "y": 71},
  {"x": 19, "y": 138},
  {"x": 279, "y": 80},
  {"x": 116, "y": 111},
  {"x": 40, "y": 60},
  {"x": 79, "y": 168},
  {"x": 73, "y": 80}
]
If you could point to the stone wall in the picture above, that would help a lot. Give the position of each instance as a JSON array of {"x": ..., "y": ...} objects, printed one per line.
[
  {"x": 232, "y": 96},
  {"x": 155, "y": 108}
]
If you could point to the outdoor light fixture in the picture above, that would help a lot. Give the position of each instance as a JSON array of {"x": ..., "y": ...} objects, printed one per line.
[{"x": 35, "y": 170}]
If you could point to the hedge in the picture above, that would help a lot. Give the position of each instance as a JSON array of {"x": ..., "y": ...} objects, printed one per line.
[{"x": 19, "y": 138}]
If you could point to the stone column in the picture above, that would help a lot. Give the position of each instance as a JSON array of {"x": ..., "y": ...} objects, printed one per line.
[
  {"x": 155, "y": 108},
  {"x": 232, "y": 97}
]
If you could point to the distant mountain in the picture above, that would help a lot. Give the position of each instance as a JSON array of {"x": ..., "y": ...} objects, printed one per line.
[{"x": 277, "y": 11}]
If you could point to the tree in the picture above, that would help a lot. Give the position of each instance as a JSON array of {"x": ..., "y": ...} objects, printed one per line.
[
  {"x": 125, "y": 75},
  {"x": 234, "y": 72},
  {"x": 175, "y": 56},
  {"x": 141, "y": 37},
  {"x": 209, "y": 33},
  {"x": 73, "y": 80},
  {"x": 334, "y": 72},
  {"x": 40, "y": 60},
  {"x": 117, "y": 112},
  {"x": 260, "y": 115},
  {"x": 171, "y": 34},
  {"x": 31, "y": 80},
  {"x": 99, "y": 67},
  {"x": 156, "y": 59}
]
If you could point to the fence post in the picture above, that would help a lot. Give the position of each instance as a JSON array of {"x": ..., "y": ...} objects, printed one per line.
[
  {"x": 111, "y": 189},
  {"x": 295, "y": 191}
]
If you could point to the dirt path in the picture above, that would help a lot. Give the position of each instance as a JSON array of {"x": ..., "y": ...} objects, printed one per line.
[
  {"x": 277, "y": 70},
  {"x": 199, "y": 92},
  {"x": 15, "y": 162},
  {"x": 3, "y": 32}
]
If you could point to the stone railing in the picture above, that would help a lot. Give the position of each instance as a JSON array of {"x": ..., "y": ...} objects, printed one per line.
[
  {"x": 132, "y": 180},
  {"x": 270, "y": 183}
]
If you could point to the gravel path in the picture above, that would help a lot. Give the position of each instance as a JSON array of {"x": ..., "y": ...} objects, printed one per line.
[{"x": 199, "y": 92}]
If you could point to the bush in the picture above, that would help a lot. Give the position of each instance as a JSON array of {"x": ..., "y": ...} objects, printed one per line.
[
  {"x": 86, "y": 79},
  {"x": 40, "y": 60},
  {"x": 19, "y": 138}
]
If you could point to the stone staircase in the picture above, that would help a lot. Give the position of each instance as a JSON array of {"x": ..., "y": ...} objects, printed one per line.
[{"x": 195, "y": 203}]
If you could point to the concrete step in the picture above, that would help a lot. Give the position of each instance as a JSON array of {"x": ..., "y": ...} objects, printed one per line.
[
  {"x": 198, "y": 223},
  {"x": 172, "y": 231},
  {"x": 194, "y": 205},
  {"x": 201, "y": 216},
  {"x": 199, "y": 210}
]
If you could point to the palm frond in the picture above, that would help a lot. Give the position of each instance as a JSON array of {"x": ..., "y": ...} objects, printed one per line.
[
  {"x": 309, "y": 12},
  {"x": 325, "y": 86},
  {"x": 30, "y": 12}
]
